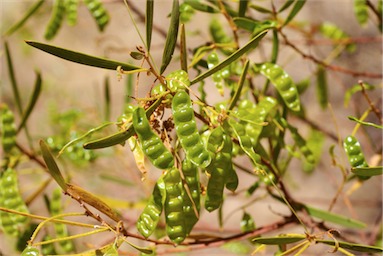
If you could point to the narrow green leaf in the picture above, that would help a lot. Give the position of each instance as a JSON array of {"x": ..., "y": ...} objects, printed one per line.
[
  {"x": 197, "y": 5},
  {"x": 107, "y": 98},
  {"x": 24, "y": 19},
  {"x": 352, "y": 246},
  {"x": 32, "y": 102},
  {"x": 334, "y": 218},
  {"x": 296, "y": 8},
  {"x": 81, "y": 58},
  {"x": 368, "y": 171},
  {"x": 149, "y": 22},
  {"x": 275, "y": 49},
  {"x": 322, "y": 91},
  {"x": 119, "y": 137},
  {"x": 237, "y": 93},
  {"x": 260, "y": 9},
  {"x": 286, "y": 5},
  {"x": 171, "y": 38},
  {"x": 242, "y": 7},
  {"x": 52, "y": 165},
  {"x": 254, "y": 26},
  {"x": 12, "y": 76},
  {"x": 184, "y": 55},
  {"x": 279, "y": 240},
  {"x": 141, "y": 249},
  {"x": 352, "y": 118},
  {"x": 233, "y": 57}
]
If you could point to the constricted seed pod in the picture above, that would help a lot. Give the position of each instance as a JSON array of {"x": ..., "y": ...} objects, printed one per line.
[
  {"x": 152, "y": 145},
  {"x": 187, "y": 132}
]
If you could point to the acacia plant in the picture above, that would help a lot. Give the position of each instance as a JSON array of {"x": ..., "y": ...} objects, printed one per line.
[{"x": 216, "y": 127}]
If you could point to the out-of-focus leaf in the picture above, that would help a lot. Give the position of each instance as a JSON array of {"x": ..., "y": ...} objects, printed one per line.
[
  {"x": 352, "y": 118},
  {"x": 52, "y": 166},
  {"x": 197, "y": 5},
  {"x": 242, "y": 7},
  {"x": 368, "y": 171},
  {"x": 302, "y": 85},
  {"x": 149, "y": 22},
  {"x": 334, "y": 218},
  {"x": 286, "y": 5},
  {"x": 296, "y": 8},
  {"x": 260, "y": 8},
  {"x": 361, "y": 11},
  {"x": 141, "y": 249},
  {"x": 333, "y": 32},
  {"x": 354, "y": 89},
  {"x": 12, "y": 76},
  {"x": 254, "y": 26},
  {"x": 279, "y": 240},
  {"x": 233, "y": 57},
  {"x": 24, "y": 19},
  {"x": 322, "y": 91},
  {"x": 107, "y": 98},
  {"x": 352, "y": 246},
  {"x": 32, "y": 102},
  {"x": 82, "y": 58},
  {"x": 171, "y": 38},
  {"x": 247, "y": 223},
  {"x": 315, "y": 143}
]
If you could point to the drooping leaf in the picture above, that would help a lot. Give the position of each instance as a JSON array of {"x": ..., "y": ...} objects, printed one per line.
[
  {"x": 107, "y": 98},
  {"x": 233, "y": 57},
  {"x": 171, "y": 38},
  {"x": 52, "y": 166},
  {"x": 241, "y": 82},
  {"x": 260, "y": 8},
  {"x": 34, "y": 8},
  {"x": 242, "y": 7},
  {"x": 286, "y": 5},
  {"x": 82, "y": 58},
  {"x": 354, "y": 89},
  {"x": 12, "y": 76},
  {"x": 184, "y": 55},
  {"x": 149, "y": 22}
]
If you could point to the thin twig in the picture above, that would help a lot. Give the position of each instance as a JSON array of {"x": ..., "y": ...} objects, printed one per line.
[{"x": 328, "y": 66}]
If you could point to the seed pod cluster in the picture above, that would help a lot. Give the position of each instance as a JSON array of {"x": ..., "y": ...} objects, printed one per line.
[{"x": 98, "y": 12}]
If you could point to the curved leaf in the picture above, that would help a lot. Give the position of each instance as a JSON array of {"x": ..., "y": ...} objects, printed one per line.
[
  {"x": 279, "y": 240},
  {"x": 81, "y": 58},
  {"x": 368, "y": 171},
  {"x": 354, "y": 247},
  {"x": 233, "y": 57}
]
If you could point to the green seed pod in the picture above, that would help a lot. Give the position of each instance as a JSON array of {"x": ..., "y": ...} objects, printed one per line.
[
  {"x": 186, "y": 129},
  {"x": 56, "y": 19},
  {"x": 71, "y": 11},
  {"x": 48, "y": 249},
  {"x": 333, "y": 32},
  {"x": 302, "y": 145},
  {"x": 219, "y": 76},
  {"x": 55, "y": 208},
  {"x": 354, "y": 152},
  {"x": 177, "y": 80},
  {"x": 98, "y": 12},
  {"x": 219, "y": 36},
  {"x": 30, "y": 251},
  {"x": 148, "y": 220},
  {"x": 186, "y": 13},
  {"x": 174, "y": 212},
  {"x": 10, "y": 198},
  {"x": 283, "y": 83},
  {"x": 8, "y": 130},
  {"x": 190, "y": 172},
  {"x": 151, "y": 144}
]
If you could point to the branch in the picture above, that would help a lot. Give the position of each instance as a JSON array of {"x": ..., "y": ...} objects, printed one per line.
[{"x": 328, "y": 66}]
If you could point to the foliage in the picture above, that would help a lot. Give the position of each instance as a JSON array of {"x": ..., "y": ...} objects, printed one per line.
[{"x": 199, "y": 158}]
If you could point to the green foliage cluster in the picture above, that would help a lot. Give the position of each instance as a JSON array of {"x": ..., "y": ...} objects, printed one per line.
[{"x": 196, "y": 150}]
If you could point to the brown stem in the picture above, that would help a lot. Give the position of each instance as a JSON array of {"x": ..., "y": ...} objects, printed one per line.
[
  {"x": 375, "y": 11},
  {"x": 372, "y": 106},
  {"x": 328, "y": 66}
]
